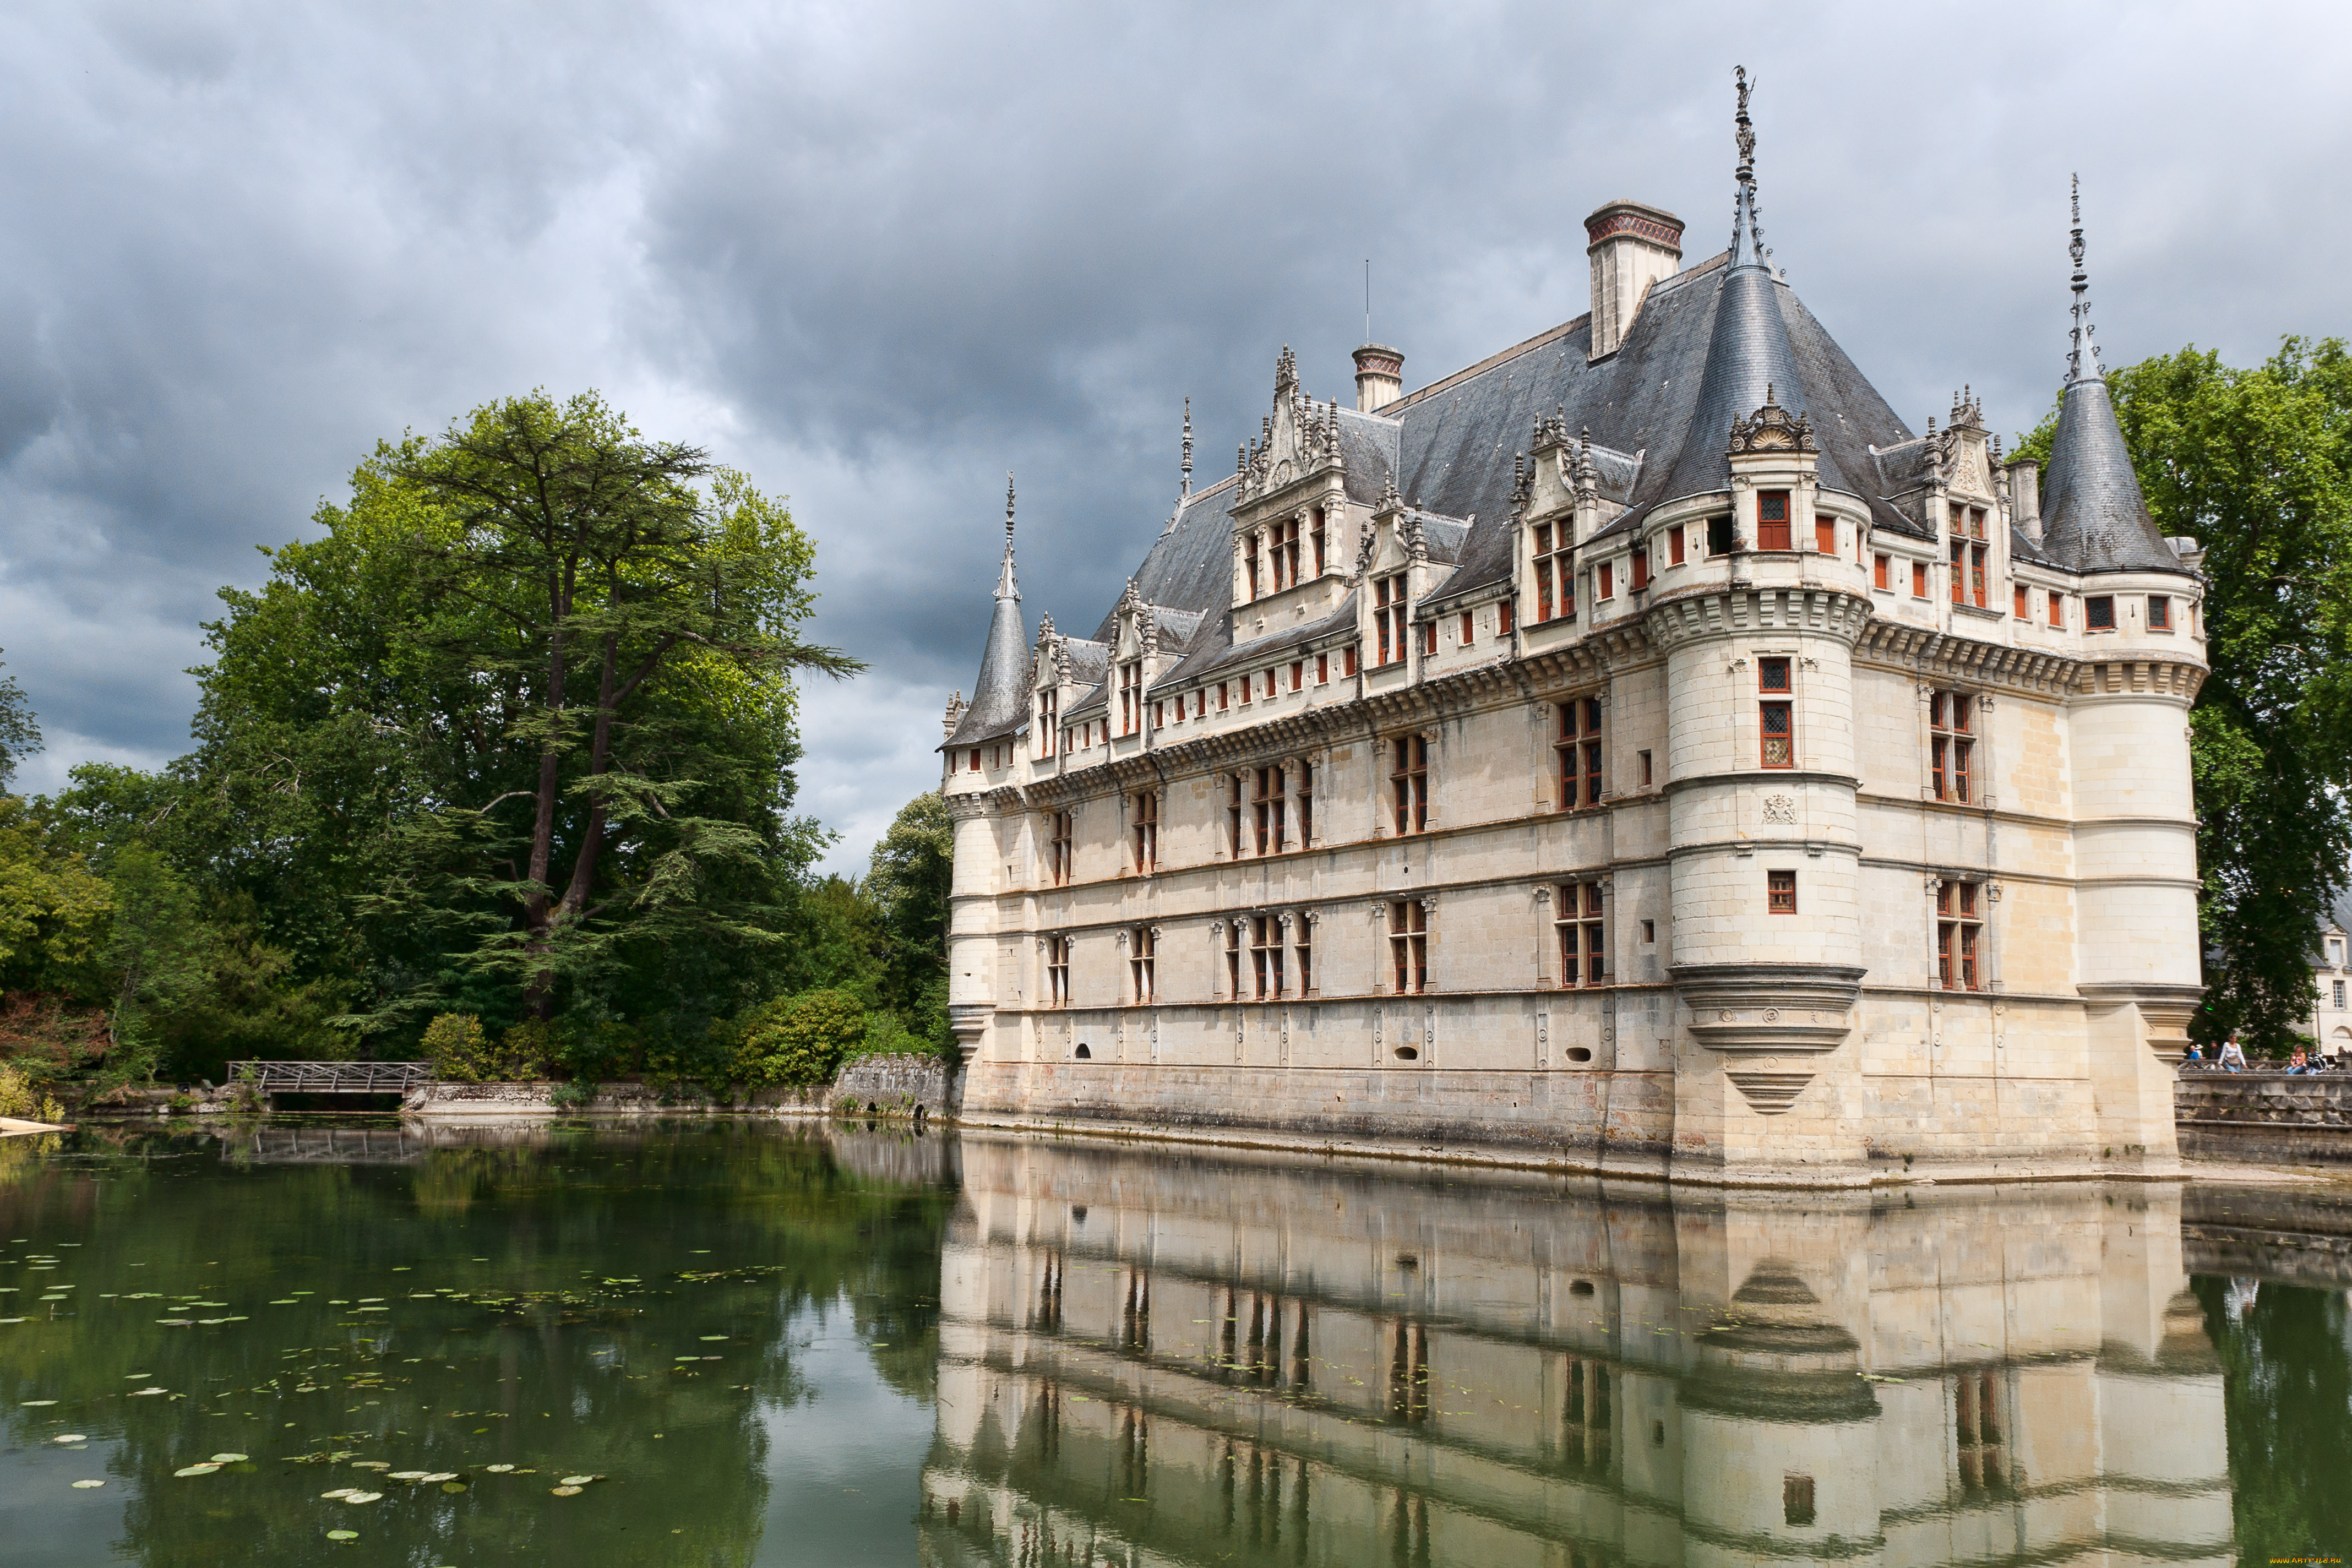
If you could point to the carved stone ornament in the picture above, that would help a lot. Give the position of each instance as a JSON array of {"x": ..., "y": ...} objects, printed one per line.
[
  {"x": 1769, "y": 1093},
  {"x": 1779, "y": 808},
  {"x": 1772, "y": 429},
  {"x": 1770, "y": 1009}
]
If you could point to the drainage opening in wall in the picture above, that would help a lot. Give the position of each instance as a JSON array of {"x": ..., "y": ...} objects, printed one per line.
[
  {"x": 1581, "y": 1288},
  {"x": 1579, "y": 1054},
  {"x": 1085, "y": 1055},
  {"x": 1407, "y": 1054}
]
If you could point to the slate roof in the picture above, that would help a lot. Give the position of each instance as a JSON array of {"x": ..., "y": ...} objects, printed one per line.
[
  {"x": 2093, "y": 517},
  {"x": 1000, "y": 699}
]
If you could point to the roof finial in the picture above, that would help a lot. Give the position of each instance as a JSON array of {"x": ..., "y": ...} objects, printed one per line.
[
  {"x": 1004, "y": 587},
  {"x": 1747, "y": 226},
  {"x": 1188, "y": 447},
  {"x": 2083, "y": 359}
]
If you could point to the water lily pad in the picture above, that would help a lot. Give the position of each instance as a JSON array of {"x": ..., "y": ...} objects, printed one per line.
[
  {"x": 230, "y": 1459},
  {"x": 70, "y": 1438},
  {"x": 137, "y": 1376},
  {"x": 577, "y": 1481},
  {"x": 441, "y": 1476},
  {"x": 364, "y": 1497},
  {"x": 339, "y": 1492},
  {"x": 196, "y": 1470},
  {"x": 85, "y": 1485},
  {"x": 371, "y": 1464},
  {"x": 453, "y": 1487},
  {"x": 712, "y": 1338},
  {"x": 564, "y": 1491},
  {"x": 141, "y": 1393},
  {"x": 498, "y": 1470},
  {"x": 287, "y": 1301},
  {"x": 406, "y": 1475},
  {"x": 342, "y": 1535}
]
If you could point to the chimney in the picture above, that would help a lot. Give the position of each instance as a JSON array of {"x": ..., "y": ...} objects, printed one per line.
[
  {"x": 2025, "y": 498},
  {"x": 1632, "y": 244},
  {"x": 1379, "y": 377}
]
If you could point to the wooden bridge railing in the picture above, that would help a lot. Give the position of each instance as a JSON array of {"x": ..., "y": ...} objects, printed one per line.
[{"x": 332, "y": 1078}]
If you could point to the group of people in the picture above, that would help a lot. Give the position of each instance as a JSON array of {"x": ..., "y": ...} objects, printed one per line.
[{"x": 2232, "y": 1057}]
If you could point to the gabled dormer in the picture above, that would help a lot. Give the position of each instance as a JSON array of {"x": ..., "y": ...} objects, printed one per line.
[{"x": 1294, "y": 529}]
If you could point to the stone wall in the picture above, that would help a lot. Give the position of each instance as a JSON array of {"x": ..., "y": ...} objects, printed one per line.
[
  {"x": 881, "y": 1085},
  {"x": 2265, "y": 1115}
]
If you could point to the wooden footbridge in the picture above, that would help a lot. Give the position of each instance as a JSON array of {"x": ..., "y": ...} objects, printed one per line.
[{"x": 274, "y": 1078}]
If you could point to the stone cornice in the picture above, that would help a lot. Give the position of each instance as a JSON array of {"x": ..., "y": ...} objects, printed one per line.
[
  {"x": 1723, "y": 612},
  {"x": 1926, "y": 652}
]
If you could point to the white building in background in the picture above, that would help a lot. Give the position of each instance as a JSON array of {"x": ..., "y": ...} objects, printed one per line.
[
  {"x": 1640, "y": 747},
  {"x": 2331, "y": 1017}
]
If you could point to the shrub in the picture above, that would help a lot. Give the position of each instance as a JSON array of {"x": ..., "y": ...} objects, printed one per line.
[
  {"x": 50, "y": 1109},
  {"x": 575, "y": 1096},
  {"x": 528, "y": 1052},
  {"x": 801, "y": 1041},
  {"x": 453, "y": 1043},
  {"x": 16, "y": 1091}
]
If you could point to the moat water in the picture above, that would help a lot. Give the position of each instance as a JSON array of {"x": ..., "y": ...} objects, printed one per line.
[{"x": 729, "y": 1343}]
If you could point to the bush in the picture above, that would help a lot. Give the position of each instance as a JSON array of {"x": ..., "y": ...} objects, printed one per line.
[
  {"x": 800, "y": 1041},
  {"x": 453, "y": 1043},
  {"x": 16, "y": 1091},
  {"x": 573, "y": 1096},
  {"x": 529, "y": 1051}
]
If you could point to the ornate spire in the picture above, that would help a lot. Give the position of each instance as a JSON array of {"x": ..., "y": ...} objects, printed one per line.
[
  {"x": 1187, "y": 448},
  {"x": 2083, "y": 359},
  {"x": 1746, "y": 227},
  {"x": 1004, "y": 587}
]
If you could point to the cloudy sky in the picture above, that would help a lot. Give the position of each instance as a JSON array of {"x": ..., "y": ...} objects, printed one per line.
[{"x": 880, "y": 254}]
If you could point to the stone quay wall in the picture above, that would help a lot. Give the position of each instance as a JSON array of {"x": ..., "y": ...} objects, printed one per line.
[{"x": 2265, "y": 1115}]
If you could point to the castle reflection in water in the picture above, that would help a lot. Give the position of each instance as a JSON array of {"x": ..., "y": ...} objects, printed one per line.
[{"x": 1149, "y": 1361}]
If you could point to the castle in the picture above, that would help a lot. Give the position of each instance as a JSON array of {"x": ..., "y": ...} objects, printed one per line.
[{"x": 1639, "y": 750}]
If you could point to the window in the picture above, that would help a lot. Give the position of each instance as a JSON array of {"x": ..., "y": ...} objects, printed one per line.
[
  {"x": 1223, "y": 696},
  {"x": 1591, "y": 1427},
  {"x": 1878, "y": 565},
  {"x": 1284, "y": 540},
  {"x": 1057, "y": 970},
  {"x": 1555, "y": 576},
  {"x": 1058, "y": 857},
  {"x": 1049, "y": 719},
  {"x": 1719, "y": 537},
  {"x": 974, "y": 766},
  {"x": 1130, "y": 696},
  {"x": 2022, "y": 602},
  {"x": 1644, "y": 759},
  {"x": 2339, "y": 995},
  {"x": 1302, "y": 796},
  {"x": 1675, "y": 545},
  {"x": 1409, "y": 782},
  {"x": 1505, "y": 611},
  {"x": 2057, "y": 609},
  {"x": 1347, "y": 659},
  {"x": 1958, "y": 926},
  {"x": 1265, "y": 956},
  {"x": 1797, "y": 1501},
  {"x": 1387, "y": 618},
  {"x": 1649, "y": 932},
  {"x": 1270, "y": 809},
  {"x": 1781, "y": 892},
  {"x": 1428, "y": 639},
  {"x": 1159, "y": 714},
  {"x": 1201, "y": 703},
  {"x": 1233, "y": 815},
  {"x": 1246, "y": 685},
  {"x": 1147, "y": 831},
  {"x": 1582, "y": 933},
  {"x": 1640, "y": 570},
  {"x": 1575, "y": 746},
  {"x": 1322, "y": 669},
  {"x": 2159, "y": 612},
  {"x": 1772, "y": 521},
  {"x": 1469, "y": 628},
  {"x": 1233, "y": 958},
  {"x": 1302, "y": 949},
  {"x": 1981, "y": 1452},
  {"x": 1315, "y": 540},
  {"x": 1298, "y": 675},
  {"x": 1249, "y": 564},
  {"x": 1776, "y": 716},
  {"x": 1608, "y": 588},
  {"x": 1409, "y": 945},
  {"x": 1143, "y": 958},
  {"x": 1968, "y": 580},
  {"x": 1951, "y": 740},
  {"x": 2335, "y": 953},
  {"x": 1825, "y": 535},
  {"x": 2099, "y": 613},
  {"x": 1919, "y": 579}
]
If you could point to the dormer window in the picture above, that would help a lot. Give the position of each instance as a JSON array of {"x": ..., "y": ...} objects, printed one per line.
[
  {"x": 1554, "y": 580},
  {"x": 1285, "y": 555},
  {"x": 1130, "y": 696},
  {"x": 1772, "y": 521},
  {"x": 1969, "y": 578},
  {"x": 1249, "y": 564},
  {"x": 1389, "y": 618},
  {"x": 1049, "y": 718},
  {"x": 1315, "y": 541}
]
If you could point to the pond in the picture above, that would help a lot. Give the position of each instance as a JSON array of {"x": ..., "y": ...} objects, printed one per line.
[{"x": 737, "y": 1343}]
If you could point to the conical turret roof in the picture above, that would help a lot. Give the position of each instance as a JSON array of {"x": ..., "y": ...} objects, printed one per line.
[
  {"x": 2093, "y": 517},
  {"x": 1000, "y": 699}
]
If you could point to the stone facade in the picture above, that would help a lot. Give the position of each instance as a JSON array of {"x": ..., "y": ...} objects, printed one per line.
[{"x": 1638, "y": 747}]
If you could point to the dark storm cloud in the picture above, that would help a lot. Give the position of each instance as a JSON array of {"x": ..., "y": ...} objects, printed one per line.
[{"x": 879, "y": 255}]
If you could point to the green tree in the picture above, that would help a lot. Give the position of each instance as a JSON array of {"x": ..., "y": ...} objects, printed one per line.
[
  {"x": 2257, "y": 466},
  {"x": 909, "y": 881},
  {"x": 159, "y": 948},
  {"x": 20, "y": 736}
]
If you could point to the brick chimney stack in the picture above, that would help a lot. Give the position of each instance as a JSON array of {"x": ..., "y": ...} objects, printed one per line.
[
  {"x": 1631, "y": 245},
  {"x": 1379, "y": 377}
]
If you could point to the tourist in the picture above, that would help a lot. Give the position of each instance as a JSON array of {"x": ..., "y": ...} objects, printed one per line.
[
  {"x": 2233, "y": 1055},
  {"x": 2196, "y": 1056}
]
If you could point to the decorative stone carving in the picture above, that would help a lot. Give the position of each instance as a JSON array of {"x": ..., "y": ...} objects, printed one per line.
[
  {"x": 1770, "y": 1009},
  {"x": 1772, "y": 429},
  {"x": 1769, "y": 1093},
  {"x": 1779, "y": 808}
]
